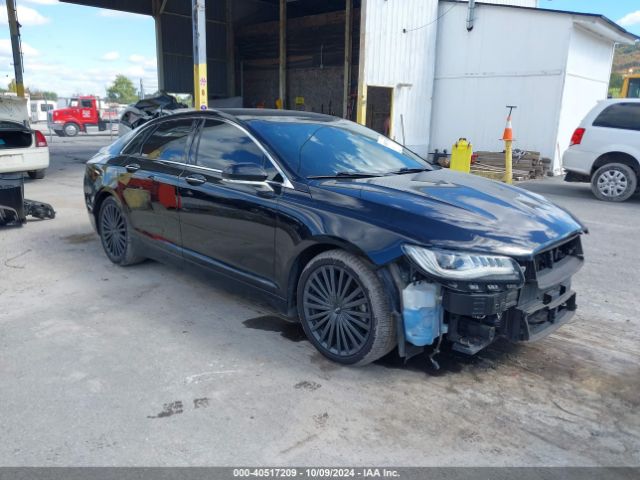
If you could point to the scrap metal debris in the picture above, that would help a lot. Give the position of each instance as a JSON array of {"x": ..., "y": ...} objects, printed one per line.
[{"x": 148, "y": 109}]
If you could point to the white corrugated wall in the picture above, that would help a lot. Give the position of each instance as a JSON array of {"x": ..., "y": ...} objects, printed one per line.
[
  {"x": 512, "y": 57},
  {"x": 519, "y": 3},
  {"x": 399, "y": 52},
  {"x": 586, "y": 82}
]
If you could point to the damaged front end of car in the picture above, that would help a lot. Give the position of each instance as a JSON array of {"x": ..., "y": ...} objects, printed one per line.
[{"x": 472, "y": 299}]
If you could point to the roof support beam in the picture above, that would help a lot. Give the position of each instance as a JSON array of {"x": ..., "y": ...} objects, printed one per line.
[
  {"x": 283, "y": 53},
  {"x": 348, "y": 25}
]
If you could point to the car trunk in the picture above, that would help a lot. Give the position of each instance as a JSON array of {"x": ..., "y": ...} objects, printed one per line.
[{"x": 14, "y": 135}]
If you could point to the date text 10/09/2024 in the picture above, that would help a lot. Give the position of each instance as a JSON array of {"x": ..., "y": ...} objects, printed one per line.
[{"x": 316, "y": 473}]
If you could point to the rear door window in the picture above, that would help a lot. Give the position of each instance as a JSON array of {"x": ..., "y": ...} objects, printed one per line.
[
  {"x": 625, "y": 116},
  {"x": 168, "y": 141}
]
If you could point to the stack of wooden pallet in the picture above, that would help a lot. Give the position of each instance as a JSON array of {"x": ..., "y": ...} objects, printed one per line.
[{"x": 526, "y": 165}]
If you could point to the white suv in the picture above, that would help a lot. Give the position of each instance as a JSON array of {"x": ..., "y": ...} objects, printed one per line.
[{"x": 605, "y": 150}]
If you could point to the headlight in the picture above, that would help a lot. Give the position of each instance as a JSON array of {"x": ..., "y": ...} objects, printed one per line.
[{"x": 461, "y": 266}]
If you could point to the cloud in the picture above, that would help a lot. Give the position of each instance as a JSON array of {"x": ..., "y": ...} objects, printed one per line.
[
  {"x": 630, "y": 19},
  {"x": 42, "y": 2},
  {"x": 111, "y": 56},
  {"x": 27, "y": 16},
  {"x": 27, "y": 50},
  {"x": 103, "y": 12},
  {"x": 142, "y": 60}
]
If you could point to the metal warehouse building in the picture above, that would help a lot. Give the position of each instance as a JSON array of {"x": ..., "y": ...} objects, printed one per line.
[{"x": 418, "y": 63}]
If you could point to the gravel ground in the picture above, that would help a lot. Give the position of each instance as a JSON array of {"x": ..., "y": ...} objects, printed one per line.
[{"x": 152, "y": 365}]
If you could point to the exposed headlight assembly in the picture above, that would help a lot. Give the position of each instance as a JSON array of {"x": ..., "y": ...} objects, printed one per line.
[{"x": 450, "y": 265}]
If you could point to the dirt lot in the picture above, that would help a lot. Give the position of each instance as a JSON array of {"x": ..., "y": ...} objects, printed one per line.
[{"x": 152, "y": 365}]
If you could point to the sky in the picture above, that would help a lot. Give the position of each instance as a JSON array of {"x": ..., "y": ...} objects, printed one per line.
[{"x": 73, "y": 49}]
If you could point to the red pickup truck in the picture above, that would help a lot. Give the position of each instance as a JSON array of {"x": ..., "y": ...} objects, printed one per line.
[{"x": 81, "y": 112}]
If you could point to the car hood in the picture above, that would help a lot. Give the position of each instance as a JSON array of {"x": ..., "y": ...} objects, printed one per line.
[{"x": 447, "y": 209}]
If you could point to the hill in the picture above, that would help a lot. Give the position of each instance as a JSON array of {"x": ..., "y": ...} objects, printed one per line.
[{"x": 626, "y": 57}]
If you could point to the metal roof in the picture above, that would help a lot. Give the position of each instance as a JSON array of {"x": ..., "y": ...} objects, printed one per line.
[{"x": 596, "y": 16}]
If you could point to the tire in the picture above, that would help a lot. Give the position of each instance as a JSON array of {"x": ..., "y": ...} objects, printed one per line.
[
  {"x": 338, "y": 288},
  {"x": 614, "y": 182},
  {"x": 37, "y": 174},
  {"x": 115, "y": 234},
  {"x": 71, "y": 129}
]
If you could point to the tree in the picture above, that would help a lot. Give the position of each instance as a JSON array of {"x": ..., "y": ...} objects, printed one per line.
[
  {"x": 615, "y": 81},
  {"x": 122, "y": 90},
  {"x": 44, "y": 95}
]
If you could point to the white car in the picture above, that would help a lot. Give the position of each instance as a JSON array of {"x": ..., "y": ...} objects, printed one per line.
[
  {"x": 605, "y": 150},
  {"x": 22, "y": 149}
]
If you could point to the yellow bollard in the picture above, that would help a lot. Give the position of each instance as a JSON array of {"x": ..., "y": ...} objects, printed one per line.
[
  {"x": 461, "y": 156},
  {"x": 507, "y": 136},
  {"x": 508, "y": 161}
]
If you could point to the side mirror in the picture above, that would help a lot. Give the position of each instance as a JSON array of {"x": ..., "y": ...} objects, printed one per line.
[{"x": 244, "y": 172}]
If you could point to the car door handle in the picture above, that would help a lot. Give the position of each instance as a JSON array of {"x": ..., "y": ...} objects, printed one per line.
[
  {"x": 195, "y": 179},
  {"x": 132, "y": 167}
]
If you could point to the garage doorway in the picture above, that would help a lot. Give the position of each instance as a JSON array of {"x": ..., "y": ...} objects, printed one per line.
[{"x": 380, "y": 109}]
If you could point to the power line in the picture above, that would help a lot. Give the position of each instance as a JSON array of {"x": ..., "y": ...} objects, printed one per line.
[{"x": 404, "y": 30}]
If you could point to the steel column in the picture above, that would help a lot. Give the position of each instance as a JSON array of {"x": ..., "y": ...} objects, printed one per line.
[
  {"x": 14, "y": 30},
  {"x": 200, "y": 90}
]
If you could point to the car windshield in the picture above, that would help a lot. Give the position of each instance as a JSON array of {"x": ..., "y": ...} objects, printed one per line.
[{"x": 338, "y": 149}]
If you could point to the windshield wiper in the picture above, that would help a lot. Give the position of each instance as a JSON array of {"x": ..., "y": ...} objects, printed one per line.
[
  {"x": 409, "y": 170},
  {"x": 345, "y": 175}
]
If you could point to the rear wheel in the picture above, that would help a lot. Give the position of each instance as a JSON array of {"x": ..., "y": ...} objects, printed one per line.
[
  {"x": 71, "y": 129},
  {"x": 344, "y": 310},
  {"x": 37, "y": 174},
  {"x": 614, "y": 182},
  {"x": 115, "y": 234}
]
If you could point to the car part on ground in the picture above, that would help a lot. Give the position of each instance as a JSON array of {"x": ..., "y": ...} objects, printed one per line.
[
  {"x": 605, "y": 150},
  {"x": 148, "y": 109},
  {"x": 14, "y": 208},
  {"x": 366, "y": 243}
]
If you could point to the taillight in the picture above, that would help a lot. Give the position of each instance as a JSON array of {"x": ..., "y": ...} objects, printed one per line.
[
  {"x": 576, "y": 138},
  {"x": 41, "y": 141}
]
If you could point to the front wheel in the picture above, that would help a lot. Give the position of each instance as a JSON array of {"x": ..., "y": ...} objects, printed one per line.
[
  {"x": 115, "y": 234},
  {"x": 614, "y": 182},
  {"x": 71, "y": 129},
  {"x": 344, "y": 309}
]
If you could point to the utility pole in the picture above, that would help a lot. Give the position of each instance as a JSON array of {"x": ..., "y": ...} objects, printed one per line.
[
  {"x": 200, "y": 91},
  {"x": 141, "y": 90},
  {"x": 14, "y": 30}
]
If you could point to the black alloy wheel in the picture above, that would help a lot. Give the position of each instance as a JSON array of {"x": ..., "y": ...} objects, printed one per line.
[
  {"x": 114, "y": 233},
  {"x": 337, "y": 310},
  {"x": 344, "y": 309}
]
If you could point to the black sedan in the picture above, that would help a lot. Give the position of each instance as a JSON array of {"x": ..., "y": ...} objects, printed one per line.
[{"x": 367, "y": 244}]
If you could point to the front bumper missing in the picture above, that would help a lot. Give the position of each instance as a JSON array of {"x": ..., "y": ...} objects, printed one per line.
[{"x": 530, "y": 323}]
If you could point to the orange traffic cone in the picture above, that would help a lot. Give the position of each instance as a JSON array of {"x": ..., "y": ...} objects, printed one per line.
[{"x": 508, "y": 130}]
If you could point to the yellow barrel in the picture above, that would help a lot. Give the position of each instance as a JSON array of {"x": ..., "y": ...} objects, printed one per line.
[{"x": 461, "y": 156}]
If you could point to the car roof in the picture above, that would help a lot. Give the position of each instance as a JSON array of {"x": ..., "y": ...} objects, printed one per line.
[
  {"x": 609, "y": 101},
  {"x": 249, "y": 114}
]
